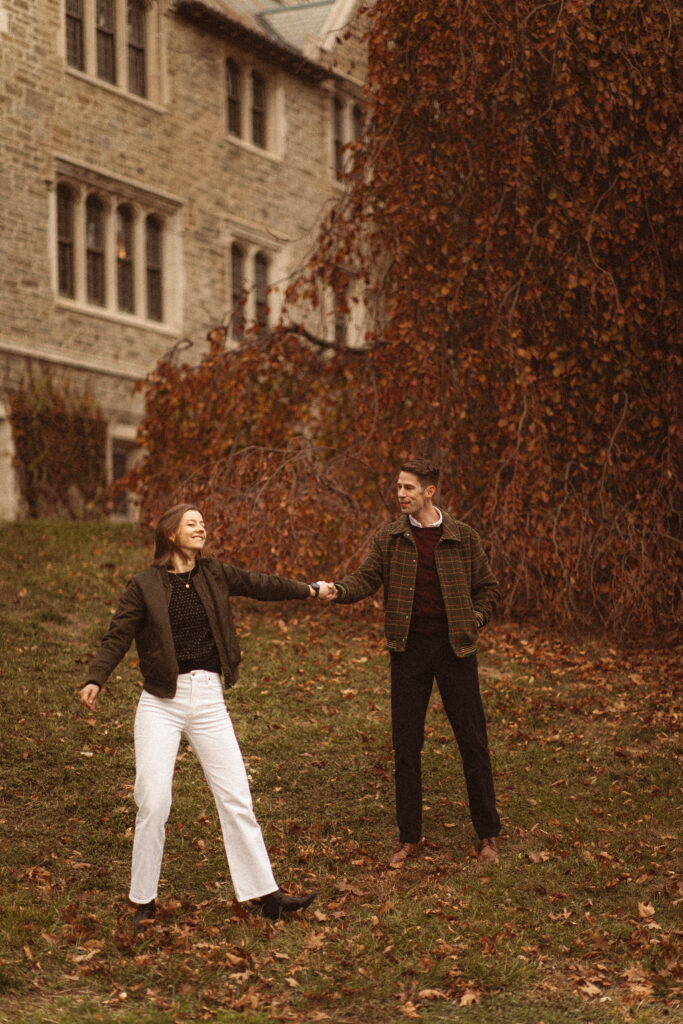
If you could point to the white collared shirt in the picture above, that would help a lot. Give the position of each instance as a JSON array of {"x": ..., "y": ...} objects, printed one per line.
[{"x": 414, "y": 522}]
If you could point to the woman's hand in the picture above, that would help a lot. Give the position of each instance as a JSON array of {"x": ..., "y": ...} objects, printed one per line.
[{"x": 88, "y": 695}]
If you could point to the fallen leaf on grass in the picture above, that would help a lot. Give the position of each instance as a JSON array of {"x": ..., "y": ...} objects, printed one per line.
[
  {"x": 536, "y": 858},
  {"x": 642, "y": 991},
  {"x": 234, "y": 959},
  {"x": 82, "y": 958},
  {"x": 251, "y": 998},
  {"x": 646, "y": 910},
  {"x": 40, "y": 877},
  {"x": 639, "y": 983},
  {"x": 409, "y": 1009},
  {"x": 635, "y": 974},
  {"x": 314, "y": 940},
  {"x": 432, "y": 993},
  {"x": 343, "y": 885},
  {"x": 471, "y": 995}
]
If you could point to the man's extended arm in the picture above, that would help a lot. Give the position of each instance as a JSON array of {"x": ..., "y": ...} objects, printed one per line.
[{"x": 364, "y": 581}]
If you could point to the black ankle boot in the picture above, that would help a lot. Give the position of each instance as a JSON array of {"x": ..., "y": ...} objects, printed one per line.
[
  {"x": 277, "y": 903},
  {"x": 145, "y": 912}
]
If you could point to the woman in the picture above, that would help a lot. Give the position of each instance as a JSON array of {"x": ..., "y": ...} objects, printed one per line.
[{"x": 178, "y": 613}]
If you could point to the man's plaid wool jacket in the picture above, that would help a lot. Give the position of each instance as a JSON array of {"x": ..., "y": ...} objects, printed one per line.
[{"x": 470, "y": 590}]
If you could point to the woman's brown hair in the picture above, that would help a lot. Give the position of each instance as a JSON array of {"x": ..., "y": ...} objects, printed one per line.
[{"x": 167, "y": 525}]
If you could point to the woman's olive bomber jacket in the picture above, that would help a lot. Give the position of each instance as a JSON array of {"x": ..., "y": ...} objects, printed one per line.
[{"x": 142, "y": 615}]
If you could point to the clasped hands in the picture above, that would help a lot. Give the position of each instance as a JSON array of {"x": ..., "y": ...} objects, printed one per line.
[{"x": 328, "y": 591}]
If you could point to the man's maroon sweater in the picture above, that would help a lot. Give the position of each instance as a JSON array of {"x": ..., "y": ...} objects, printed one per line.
[{"x": 429, "y": 610}]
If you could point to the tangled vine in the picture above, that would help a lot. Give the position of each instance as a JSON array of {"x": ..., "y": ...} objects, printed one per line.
[{"x": 513, "y": 215}]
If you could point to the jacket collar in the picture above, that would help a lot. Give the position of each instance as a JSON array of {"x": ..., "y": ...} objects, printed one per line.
[
  {"x": 451, "y": 526},
  {"x": 164, "y": 576}
]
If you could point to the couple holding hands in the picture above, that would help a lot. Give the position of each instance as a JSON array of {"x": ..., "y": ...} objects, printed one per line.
[{"x": 439, "y": 590}]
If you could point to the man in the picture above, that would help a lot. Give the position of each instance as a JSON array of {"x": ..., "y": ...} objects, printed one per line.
[{"x": 439, "y": 590}]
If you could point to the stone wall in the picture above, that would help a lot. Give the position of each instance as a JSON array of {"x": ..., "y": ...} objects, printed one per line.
[{"x": 214, "y": 188}]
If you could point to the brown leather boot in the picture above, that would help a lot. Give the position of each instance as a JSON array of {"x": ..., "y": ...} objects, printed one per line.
[
  {"x": 404, "y": 851},
  {"x": 489, "y": 850}
]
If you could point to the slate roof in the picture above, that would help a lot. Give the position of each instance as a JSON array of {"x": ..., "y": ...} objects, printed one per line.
[
  {"x": 293, "y": 24},
  {"x": 276, "y": 33}
]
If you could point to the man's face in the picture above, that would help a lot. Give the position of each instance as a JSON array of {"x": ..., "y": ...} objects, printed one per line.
[{"x": 412, "y": 496}]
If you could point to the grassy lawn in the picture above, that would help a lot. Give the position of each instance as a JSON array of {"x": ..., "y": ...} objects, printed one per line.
[{"x": 580, "y": 921}]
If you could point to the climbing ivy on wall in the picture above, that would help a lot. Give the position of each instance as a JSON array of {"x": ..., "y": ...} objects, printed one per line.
[{"x": 60, "y": 447}]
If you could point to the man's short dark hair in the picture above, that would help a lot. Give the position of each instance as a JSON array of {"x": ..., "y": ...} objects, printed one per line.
[{"x": 426, "y": 471}]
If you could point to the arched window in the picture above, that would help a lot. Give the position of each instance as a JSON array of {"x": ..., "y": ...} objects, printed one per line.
[
  {"x": 261, "y": 288},
  {"x": 65, "y": 241},
  {"x": 112, "y": 245},
  {"x": 154, "y": 258},
  {"x": 258, "y": 110},
  {"x": 94, "y": 250},
  {"x": 237, "y": 278},
  {"x": 124, "y": 259},
  {"x": 234, "y": 89},
  {"x": 105, "y": 18},
  {"x": 137, "y": 42}
]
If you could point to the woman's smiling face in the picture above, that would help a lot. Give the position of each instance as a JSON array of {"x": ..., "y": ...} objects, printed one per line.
[{"x": 190, "y": 536}]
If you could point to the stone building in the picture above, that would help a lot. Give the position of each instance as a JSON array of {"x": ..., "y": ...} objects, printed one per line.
[{"x": 159, "y": 161}]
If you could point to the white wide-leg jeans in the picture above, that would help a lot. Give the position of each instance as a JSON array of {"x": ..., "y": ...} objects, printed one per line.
[{"x": 198, "y": 710}]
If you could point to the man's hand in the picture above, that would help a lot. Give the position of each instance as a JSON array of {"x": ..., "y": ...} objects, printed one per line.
[
  {"x": 324, "y": 592},
  {"x": 331, "y": 592},
  {"x": 88, "y": 695}
]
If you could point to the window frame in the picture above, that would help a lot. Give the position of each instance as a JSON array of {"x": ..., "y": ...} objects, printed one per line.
[
  {"x": 234, "y": 87},
  {"x": 120, "y": 47},
  {"x": 85, "y": 245},
  {"x": 238, "y": 290},
  {"x": 258, "y": 112},
  {"x": 105, "y": 40},
  {"x": 95, "y": 244},
  {"x": 256, "y": 306},
  {"x": 74, "y": 27},
  {"x": 137, "y": 49},
  {"x": 154, "y": 280},
  {"x": 339, "y": 140},
  {"x": 347, "y": 123},
  {"x": 261, "y": 271},
  {"x": 125, "y": 260},
  {"x": 65, "y": 242},
  {"x": 254, "y": 100}
]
